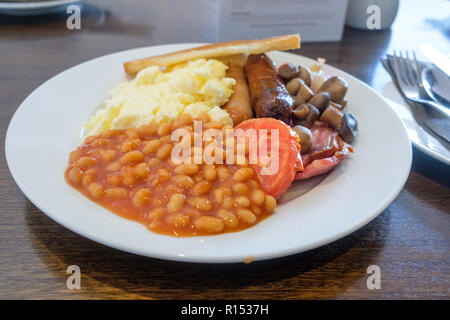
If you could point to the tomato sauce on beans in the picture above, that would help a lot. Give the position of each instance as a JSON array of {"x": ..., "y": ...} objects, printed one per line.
[{"x": 131, "y": 173}]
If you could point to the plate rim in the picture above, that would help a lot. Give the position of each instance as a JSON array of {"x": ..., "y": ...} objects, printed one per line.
[
  {"x": 261, "y": 257},
  {"x": 416, "y": 141}
]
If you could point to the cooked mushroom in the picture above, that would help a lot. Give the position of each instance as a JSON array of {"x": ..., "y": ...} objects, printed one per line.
[
  {"x": 348, "y": 130},
  {"x": 294, "y": 85},
  {"x": 304, "y": 118},
  {"x": 305, "y": 138},
  {"x": 332, "y": 116},
  {"x": 305, "y": 74},
  {"x": 336, "y": 87},
  {"x": 337, "y": 105},
  {"x": 301, "y": 111},
  {"x": 344, "y": 102},
  {"x": 303, "y": 95},
  {"x": 288, "y": 71},
  {"x": 320, "y": 100}
]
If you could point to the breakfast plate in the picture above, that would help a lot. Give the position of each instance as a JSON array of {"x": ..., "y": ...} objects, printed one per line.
[
  {"x": 48, "y": 125},
  {"x": 29, "y": 8}
]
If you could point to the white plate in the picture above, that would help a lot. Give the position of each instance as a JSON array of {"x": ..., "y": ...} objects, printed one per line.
[
  {"x": 47, "y": 126},
  {"x": 421, "y": 139},
  {"x": 34, "y": 8}
]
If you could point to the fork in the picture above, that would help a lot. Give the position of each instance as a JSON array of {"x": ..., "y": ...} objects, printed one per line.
[{"x": 409, "y": 78}]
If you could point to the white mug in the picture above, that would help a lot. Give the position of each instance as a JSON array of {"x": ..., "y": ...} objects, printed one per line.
[{"x": 371, "y": 14}]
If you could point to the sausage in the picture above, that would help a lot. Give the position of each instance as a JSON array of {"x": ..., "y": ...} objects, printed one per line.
[
  {"x": 238, "y": 106},
  {"x": 269, "y": 96}
]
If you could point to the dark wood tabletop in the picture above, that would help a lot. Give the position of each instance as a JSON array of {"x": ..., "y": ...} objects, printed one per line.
[{"x": 409, "y": 241}]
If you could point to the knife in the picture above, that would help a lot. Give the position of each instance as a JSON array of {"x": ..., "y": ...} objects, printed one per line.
[{"x": 439, "y": 59}]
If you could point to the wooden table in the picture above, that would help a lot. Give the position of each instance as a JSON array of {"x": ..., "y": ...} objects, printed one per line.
[{"x": 409, "y": 241}]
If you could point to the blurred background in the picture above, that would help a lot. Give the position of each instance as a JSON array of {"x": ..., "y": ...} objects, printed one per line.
[{"x": 111, "y": 25}]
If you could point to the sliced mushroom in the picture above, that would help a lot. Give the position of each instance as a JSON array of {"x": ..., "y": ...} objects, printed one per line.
[
  {"x": 348, "y": 130},
  {"x": 320, "y": 100},
  {"x": 304, "y": 94},
  {"x": 336, "y": 87},
  {"x": 288, "y": 71},
  {"x": 301, "y": 111},
  {"x": 305, "y": 115},
  {"x": 294, "y": 85},
  {"x": 305, "y": 74},
  {"x": 337, "y": 105},
  {"x": 332, "y": 116},
  {"x": 305, "y": 138}
]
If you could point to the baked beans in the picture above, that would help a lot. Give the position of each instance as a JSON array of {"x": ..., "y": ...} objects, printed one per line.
[{"x": 130, "y": 172}]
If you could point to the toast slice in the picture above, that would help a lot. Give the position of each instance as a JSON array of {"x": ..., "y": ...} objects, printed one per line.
[{"x": 222, "y": 49}]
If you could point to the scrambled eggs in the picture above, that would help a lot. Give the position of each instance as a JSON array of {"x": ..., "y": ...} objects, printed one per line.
[{"x": 192, "y": 87}]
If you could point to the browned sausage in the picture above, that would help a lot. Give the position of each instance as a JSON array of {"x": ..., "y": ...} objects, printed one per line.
[
  {"x": 238, "y": 106},
  {"x": 269, "y": 96}
]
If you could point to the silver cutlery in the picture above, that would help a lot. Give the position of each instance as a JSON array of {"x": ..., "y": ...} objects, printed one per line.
[
  {"x": 437, "y": 85},
  {"x": 439, "y": 59},
  {"x": 409, "y": 79},
  {"x": 433, "y": 122}
]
